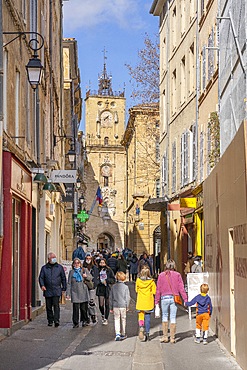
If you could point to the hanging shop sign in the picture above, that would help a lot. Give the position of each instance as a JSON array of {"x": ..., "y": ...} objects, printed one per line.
[{"x": 64, "y": 176}]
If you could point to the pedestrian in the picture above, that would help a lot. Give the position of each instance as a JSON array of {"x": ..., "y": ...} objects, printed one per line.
[
  {"x": 189, "y": 263},
  {"x": 145, "y": 289},
  {"x": 169, "y": 284},
  {"x": 119, "y": 303},
  {"x": 78, "y": 292},
  {"x": 121, "y": 264},
  {"x": 79, "y": 252},
  {"x": 196, "y": 267},
  {"x": 106, "y": 278},
  {"x": 203, "y": 312},
  {"x": 112, "y": 263},
  {"x": 52, "y": 281},
  {"x": 94, "y": 271},
  {"x": 133, "y": 267},
  {"x": 143, "y": 260}
]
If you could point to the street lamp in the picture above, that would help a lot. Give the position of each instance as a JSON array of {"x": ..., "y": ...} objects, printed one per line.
[
  {"x": 34, "y": 67},
  {"x": 71, "y": 155},
  {"x": 34, "y": 71}
]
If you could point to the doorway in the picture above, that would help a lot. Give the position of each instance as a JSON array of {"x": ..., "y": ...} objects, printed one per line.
[
  {"x": 232, "y": 293},
  {"x": 105, "y": 242},
  {"x": 16, "y": 212}
]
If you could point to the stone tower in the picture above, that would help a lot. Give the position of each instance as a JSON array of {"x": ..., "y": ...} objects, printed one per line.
[{"x": 105, "y": 125}]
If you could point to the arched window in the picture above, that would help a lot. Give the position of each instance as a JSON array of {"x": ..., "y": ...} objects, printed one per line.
[{"x": 106, "y": 140}]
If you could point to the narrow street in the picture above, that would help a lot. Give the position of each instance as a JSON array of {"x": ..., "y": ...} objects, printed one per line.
[{"x": 37, "y": 346}]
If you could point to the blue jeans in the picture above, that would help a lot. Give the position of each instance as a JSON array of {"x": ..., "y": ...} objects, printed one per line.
[
  {"x": 147, "y": 320},
  {"x": 167, "y": 302}
]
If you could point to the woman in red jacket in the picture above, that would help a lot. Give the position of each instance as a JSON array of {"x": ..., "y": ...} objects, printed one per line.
[{"x": 169, "y": 284}]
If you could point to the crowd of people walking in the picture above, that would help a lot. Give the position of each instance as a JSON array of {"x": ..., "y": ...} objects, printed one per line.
[{"x": 100, "y": 279}]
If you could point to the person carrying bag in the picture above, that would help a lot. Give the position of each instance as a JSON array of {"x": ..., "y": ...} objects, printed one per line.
[{"x": 169, "y": 285}]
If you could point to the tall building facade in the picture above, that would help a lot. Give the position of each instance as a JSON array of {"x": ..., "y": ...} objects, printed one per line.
[
  {"x": 215, "y": 144},
  {"x": 189, "y": 94},
  {"x": 104, "y": 124}
]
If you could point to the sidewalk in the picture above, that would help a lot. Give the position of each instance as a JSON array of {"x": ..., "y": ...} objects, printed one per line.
[{"x": 37, "y": 346}]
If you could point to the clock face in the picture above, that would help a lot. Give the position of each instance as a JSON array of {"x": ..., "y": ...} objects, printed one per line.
[{"x": 106, "y": 118}]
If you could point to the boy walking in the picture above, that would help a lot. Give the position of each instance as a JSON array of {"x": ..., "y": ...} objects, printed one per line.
[
  {"x": 119, "y": 303},
  {"x": 203, "y": 312}
]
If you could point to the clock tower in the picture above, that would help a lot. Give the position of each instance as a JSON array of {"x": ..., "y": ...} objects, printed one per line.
[{"x": 104, "y": 126}]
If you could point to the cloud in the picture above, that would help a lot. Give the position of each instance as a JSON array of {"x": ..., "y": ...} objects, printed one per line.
[{"x": 81, "y": 14}]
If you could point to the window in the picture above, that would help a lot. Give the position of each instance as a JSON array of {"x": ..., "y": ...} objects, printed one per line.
[
  {"x": 209, "y": 152},
  {"x": 201, "y": 155},
  {"x": 203, "y": 68},
  {"x": 164, "y": 171},
  {"x": 184, "y": 159},
  {"x": 183, "y": 80},
  {"x": 191, "y": 69},
  {"x": 157, "y": 150},
  {"x": 194, "y": 152},
  {"x": 211, "y": 55},
  {"x": 174, "y": 91},
  {"x": 174, "y": 167},
  {"x": 157, "y": 188},
  {"x": 106, "y": 181},
  {"x": 106, "y": 141},
  {"x": 17, "y": 106},
  {"x": 5, "y": 88},
  {"x": 174, "y": 28}
]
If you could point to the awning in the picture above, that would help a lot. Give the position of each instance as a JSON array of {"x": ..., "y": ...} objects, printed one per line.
[{"x": 155, "y": 204}]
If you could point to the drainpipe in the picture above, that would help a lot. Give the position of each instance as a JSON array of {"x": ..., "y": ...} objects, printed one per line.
[
  {"x": 1, "y": 134},
  {"x": 51, "y": 82}
]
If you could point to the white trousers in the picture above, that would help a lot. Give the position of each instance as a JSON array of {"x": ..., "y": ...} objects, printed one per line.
[{"x": 119, "y": 319}]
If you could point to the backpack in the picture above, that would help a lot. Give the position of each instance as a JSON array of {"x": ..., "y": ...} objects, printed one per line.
[{"x": 79, "y": 253}]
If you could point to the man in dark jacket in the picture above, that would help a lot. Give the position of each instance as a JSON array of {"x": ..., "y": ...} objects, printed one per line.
[
  {"x": 112, "y": 263},
  {"x": 52, "y": 281}
]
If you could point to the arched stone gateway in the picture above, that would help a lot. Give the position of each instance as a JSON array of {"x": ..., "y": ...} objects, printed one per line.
[{"x": 106, "y": 241}]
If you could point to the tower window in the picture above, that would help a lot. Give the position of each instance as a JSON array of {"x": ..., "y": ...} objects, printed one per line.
[
  {"x": 106, "y": 140},
  {"x": 106, "y": 181}
]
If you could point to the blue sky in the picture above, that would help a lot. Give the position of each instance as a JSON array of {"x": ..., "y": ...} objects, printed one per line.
[{"x": 119, "y": 26}]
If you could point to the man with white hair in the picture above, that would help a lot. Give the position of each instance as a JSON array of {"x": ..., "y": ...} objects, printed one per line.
[{"x": 52, "y": 281}]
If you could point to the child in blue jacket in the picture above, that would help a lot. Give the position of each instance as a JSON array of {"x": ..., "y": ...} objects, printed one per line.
[{"x": 203, "y": 312}]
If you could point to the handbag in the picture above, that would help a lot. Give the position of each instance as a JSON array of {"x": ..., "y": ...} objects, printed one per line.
[
  {"x": 89, "y": 284},
  {"x": 157, "y": 311},
  {"x": 177, "y": 298}
]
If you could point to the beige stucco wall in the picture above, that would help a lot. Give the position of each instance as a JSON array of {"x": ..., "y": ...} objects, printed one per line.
[{"x": 225, "y": 213}]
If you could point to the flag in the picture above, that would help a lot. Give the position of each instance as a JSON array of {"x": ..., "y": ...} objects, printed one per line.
[{"x": 99, "y": 196}]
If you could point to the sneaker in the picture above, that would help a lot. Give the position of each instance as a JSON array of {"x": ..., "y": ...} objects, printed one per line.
[
  {"x": 49, "y": 323},
  {"x": 118, "y": 338},
  {"x": 105, "y": 322},
  {"x": 102, "y": 318},
  {"x": 94, "y": 320},
  {"x": 197, "y": 340},
  {"x": 123, "y": 336},
  {"x": 205, "y": 341},
  {"x": 141, "y": 333},
  {"x": 56, "y": 324}
]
